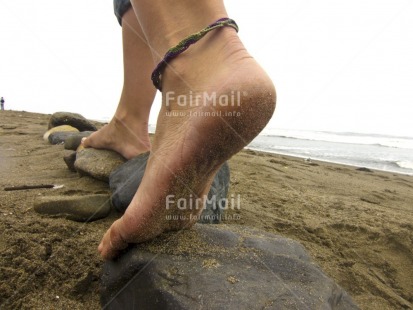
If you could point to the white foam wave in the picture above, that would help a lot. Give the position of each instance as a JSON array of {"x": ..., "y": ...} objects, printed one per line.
[
  {"x": 351, "y": 138},
  {"x": 405, "y": 164}
]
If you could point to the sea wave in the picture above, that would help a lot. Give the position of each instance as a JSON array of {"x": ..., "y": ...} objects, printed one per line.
[
  {"x": 405, "y": 164},
  {"x": 348, "y": 138}
]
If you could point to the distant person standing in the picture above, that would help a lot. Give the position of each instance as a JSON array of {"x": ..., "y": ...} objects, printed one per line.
[{"x": 2, "y": 103}]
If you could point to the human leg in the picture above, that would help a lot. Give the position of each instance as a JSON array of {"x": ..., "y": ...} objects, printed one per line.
[
  {"x": 192, "y": 141},
  {"x": 127, "y": 132}
]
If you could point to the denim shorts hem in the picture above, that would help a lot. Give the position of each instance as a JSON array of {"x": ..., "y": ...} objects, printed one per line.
[{"x": 120, "y": 7}]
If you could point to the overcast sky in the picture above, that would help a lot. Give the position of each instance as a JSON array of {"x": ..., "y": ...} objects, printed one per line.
[{"x": 337, "y": 65}]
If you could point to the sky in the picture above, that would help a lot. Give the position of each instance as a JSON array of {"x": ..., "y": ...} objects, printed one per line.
[{"x": 344, "y": 66}]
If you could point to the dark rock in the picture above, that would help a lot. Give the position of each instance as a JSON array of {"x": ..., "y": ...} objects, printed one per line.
[
  {"x": 219, "y": 267},
  {"x": 72, "y": 142},
  {"x": 60, "y": 137},
  {"x": 76, "y": 208},
  {"x": 125, "y": 180},
  {"x": 98, "y": 164},
  {"x": 72, "y": 119},
  {"x": 217, "y": 197},
  {"x": 70, "y": 158},
  {"x": 364, "y": 169}
]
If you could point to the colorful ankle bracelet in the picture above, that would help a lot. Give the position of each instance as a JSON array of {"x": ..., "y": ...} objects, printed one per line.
[{"x": 183, "y": 46}]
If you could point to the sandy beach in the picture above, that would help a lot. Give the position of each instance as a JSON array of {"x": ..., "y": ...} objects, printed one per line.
[{"x": 356, "y": 224}]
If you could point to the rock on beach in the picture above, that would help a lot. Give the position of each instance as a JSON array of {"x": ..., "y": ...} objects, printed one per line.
[
  {"x": 73, "y": 141},
  {"x": 73, "y": 119},
  {"x": 98, "y": 164},
  {"x": 219, "y": 267},
  {"x": 77, "y": 208},
  {"x": 60, "y": 137},
  {"x": 62, "y": 128}
]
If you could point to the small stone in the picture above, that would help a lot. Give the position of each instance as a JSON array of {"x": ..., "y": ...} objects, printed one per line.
[
  {"x": 364, "y": 169},
  {"x": 72, "y": 142},
  {"x": 75, "y": 208},
  {"x": 98, "y": 164},
  {"x": 63, "y": 128},
  {"x": 232, "y": 279},
  {"x": 70, "y": 158},
  {"x": 72, "y": 119}
]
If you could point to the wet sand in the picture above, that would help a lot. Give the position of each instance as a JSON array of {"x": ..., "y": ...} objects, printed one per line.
[{"x": 357, "y": 225}]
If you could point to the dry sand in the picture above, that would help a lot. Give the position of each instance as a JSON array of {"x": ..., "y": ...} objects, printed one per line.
[{"x": 357, "y": 225}]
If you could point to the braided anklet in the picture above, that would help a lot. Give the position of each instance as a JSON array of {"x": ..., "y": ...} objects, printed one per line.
[{"x": 183, "y": 46}]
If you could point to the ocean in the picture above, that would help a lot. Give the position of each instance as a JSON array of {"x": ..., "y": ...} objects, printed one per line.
[
  {"x": 381, "y": 152},
  {"x": 374, "y": 151}
]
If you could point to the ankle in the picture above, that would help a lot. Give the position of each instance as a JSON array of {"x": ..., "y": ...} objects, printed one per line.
[
  {"x": 221, "y": 47},
  {"x": 131, "y": 123},
  {"x": 168, "y": 31}
]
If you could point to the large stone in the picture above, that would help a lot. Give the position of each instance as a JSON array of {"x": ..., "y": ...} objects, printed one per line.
[
  {"x": 62, "y": 128},
  {"x": 98, "y": 164},
  {"x": 219, "y": 267},
  {"x": 72, "y": 119},
  {"x": 77, "y": 208},
  {"x": 125, "y": 180},
  {"x": 73, "y": 142}
]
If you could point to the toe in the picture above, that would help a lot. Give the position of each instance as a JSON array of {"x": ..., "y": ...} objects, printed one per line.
[
  {"x": 90, "y": 141},
  {"x": 112, "y": 242},
  {"x": 84, "y": 142}
]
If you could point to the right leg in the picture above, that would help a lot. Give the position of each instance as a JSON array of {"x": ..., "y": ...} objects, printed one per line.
[
  {"x": 191, "y": 141},
  {"x": 127, "y": 132}
]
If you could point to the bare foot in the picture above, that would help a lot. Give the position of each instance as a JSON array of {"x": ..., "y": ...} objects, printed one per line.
[
  {"x": 128, "y": 137},
  {"x": 192, "y": 142}
]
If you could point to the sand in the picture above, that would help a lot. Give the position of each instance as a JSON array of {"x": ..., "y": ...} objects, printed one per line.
[{"x": 357, "y": 225}]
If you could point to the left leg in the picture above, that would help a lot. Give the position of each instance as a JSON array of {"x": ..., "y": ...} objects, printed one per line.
[{"x": 127, "y": 132}]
